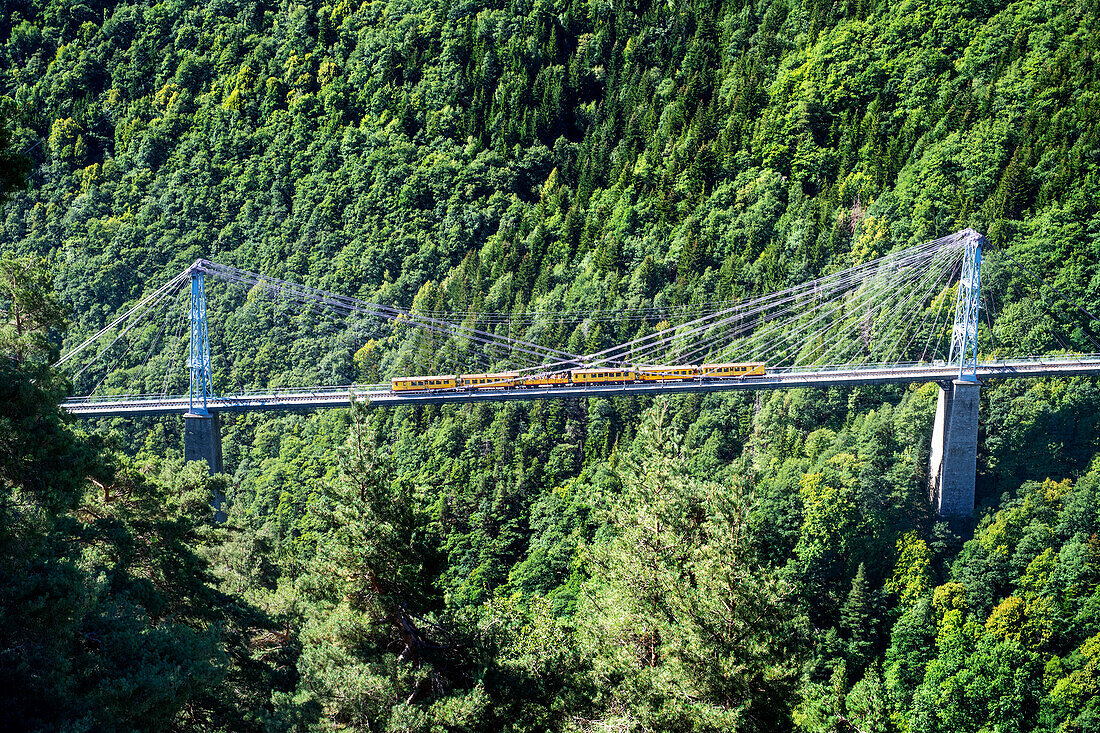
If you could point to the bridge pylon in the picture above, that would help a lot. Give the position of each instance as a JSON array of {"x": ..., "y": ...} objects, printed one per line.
[
  {"x": 964, "y": 336},
  {"x": 954, "y": 456},
  {"x": 199, "y": 357},
  {"x": 201, "y": 428}
]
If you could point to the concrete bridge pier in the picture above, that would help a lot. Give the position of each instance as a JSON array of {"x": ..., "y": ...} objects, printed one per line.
[
  {"x": 202, "y": 441},
  {"x": 954, "y": 455}
]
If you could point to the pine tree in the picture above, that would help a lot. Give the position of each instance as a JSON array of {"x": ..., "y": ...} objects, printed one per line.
[
  {"x": 686, "y": 629},
  {"x": 375, "y": 649},
  {"x": 857, "y": 621}
]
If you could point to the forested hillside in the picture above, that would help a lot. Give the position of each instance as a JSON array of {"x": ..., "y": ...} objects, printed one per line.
[{"x": 704, "y": 563}]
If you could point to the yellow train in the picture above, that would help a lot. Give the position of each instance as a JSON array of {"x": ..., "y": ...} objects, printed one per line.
[{"x": 604, "y": 375}]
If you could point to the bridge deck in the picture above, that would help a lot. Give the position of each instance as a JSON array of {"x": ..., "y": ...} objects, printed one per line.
[{"x": 328, "y": 397}]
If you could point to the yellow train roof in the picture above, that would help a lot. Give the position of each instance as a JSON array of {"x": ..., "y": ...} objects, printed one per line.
[
  {"x": 603, "y": 369},
  {"x": 733, "y": 364}
]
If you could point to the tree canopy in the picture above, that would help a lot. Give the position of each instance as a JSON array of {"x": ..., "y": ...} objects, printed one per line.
[{"x": 730, "y": 561}]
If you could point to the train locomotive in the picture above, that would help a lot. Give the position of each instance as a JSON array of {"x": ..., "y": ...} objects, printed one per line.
[{"x": 601, "y": 375}]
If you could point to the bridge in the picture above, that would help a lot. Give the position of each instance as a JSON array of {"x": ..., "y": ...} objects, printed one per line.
[
  {"x": 842, "y": 329},
  {"x": 380, "y": 395}
]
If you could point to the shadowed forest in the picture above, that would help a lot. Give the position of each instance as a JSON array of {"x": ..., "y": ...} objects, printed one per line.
[{"x": 734, "y": 561}]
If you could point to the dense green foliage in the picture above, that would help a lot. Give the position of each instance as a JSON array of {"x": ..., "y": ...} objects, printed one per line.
[
  {"x": 110, "y": 616},
  {"x": 707, "y": 563}
]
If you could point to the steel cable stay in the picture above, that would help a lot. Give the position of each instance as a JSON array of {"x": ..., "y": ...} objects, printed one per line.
[
  {"x": 137, "y": 317},
  {"x": 345, "y": 306},
  {"x": 943, "y": 336},
  {"x": 762, "y": 342},
  {"x": 483, "y": 359},
  {"x": 343, "y": 303},
  {"x": 647, "y": 313},
  {"x": 156, "y": 340},
  {"x": 838, "y": 282},
  {"x": 761, "y": 303},
  {"x": 175, "y": 281},
  {"x": 129, "y": 347},
  {"x": 750, "y": 320},
  {"x": 758, "y": 340},
  {"x": 635, "y": 313},
  {"x": 775, "y": 325},
  {"x": 388, "y": 312},
  {"x": 841, "y": 287},
  {"x": 176, "y": 341},
  {"x": 920, "y": 305},
  {"x": 938, "y": 330},
  {"x": 917, "y": 294},
  {"x": 920, "y": 291},
  {"x": 777, "y": 341},
  {"x": 820, "y": 297},
  {"x": 327, "y": 308},
  {"x": 345, "y": 311},
  {"x": 852, "y": 309},
  {"x": 936, "y": 306},
  {"x": 148, "y": 307}
]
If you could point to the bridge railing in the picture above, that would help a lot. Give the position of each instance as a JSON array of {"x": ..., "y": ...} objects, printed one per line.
[
  {"x": 325, "y": 391},
  {"x": 833, "y": 368},
  {"x": 92, "y": 399}
]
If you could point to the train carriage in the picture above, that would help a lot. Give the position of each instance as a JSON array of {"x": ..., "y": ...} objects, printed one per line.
[
  {"x": 421, "y": 384},
  {"x": 603, "y": 376},
  {"x": 667, "y": 373},
  {"x": 732, "y": 370},
  {"x": 497, "y": 380},
  {"x": 544, "y": 380}
]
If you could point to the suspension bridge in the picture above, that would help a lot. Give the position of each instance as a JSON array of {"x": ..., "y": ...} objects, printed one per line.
[{"x": 912, "y": 315}]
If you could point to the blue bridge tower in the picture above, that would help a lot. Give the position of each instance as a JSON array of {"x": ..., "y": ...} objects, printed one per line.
[{"x": 202, "y": 428}]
